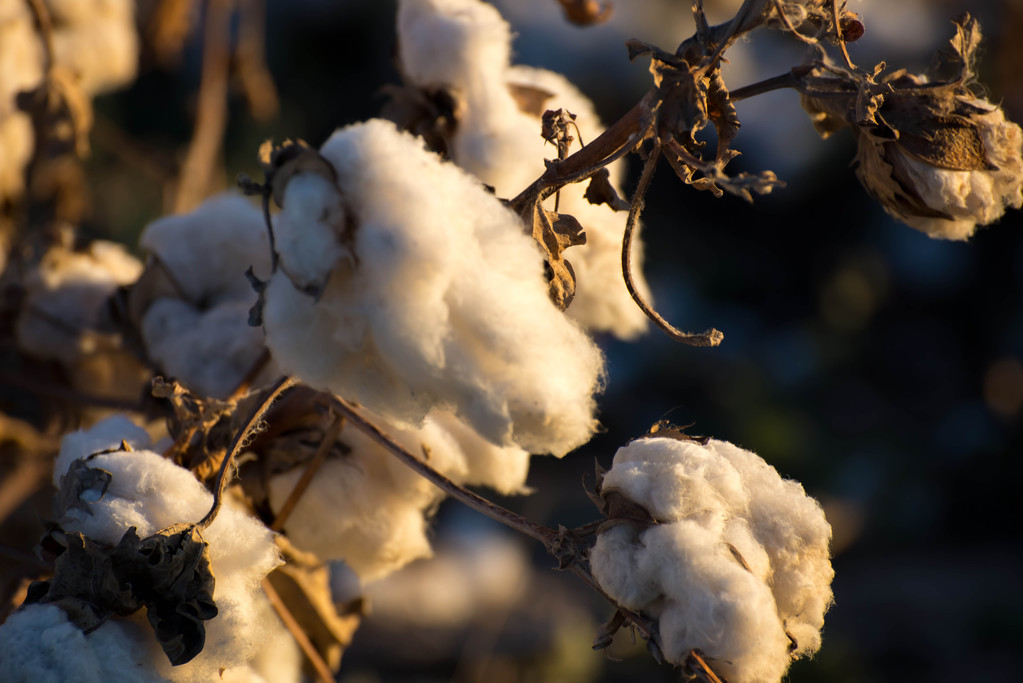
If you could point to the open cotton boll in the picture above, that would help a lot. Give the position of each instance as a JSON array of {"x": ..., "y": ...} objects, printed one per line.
[
  {"x": 500, "y": 143},
  {"x": 97, "y": 40},
  {"x": 150, "y": 493},
  {"x": 65, "y": 295},
  {"x": 735, "y": 563},
  {"x": 444, "y": 305},
  {"x": 502, "y": 468},
  {"x": 196, "y": 329}
]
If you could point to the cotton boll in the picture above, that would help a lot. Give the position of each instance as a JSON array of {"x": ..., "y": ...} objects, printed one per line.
[
  {"x": 97, "y": 40},
  {"x": 65, "y": 298},
  {"x": 196, "y": 329},
  {"x": 734, "y": 564},
  {"x": 209, "y": 249},
  {"x": 307, "y": 230},
  {"x": 502, "y": 468},
  {"x": 501, "y": 144},
  {"x": 151, "y": 493},
  {"x": 446, "y": 306},
  {"x": 39, "y": 645}
]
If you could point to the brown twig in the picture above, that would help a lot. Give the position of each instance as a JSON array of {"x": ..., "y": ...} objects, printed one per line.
[
  {"x": 44, "y": 26},
  {"x": 711, "y": 337},
  {"x": 838, "y": 35},
  {"x": 250, "y": 60},
  {"x": 252, "y": 421},
  {"x": 211, "y": 112},
  {"x": 706, "y": 669},
  {"x": 329, "y": 437},
  {"x": 323, "y": 672}
]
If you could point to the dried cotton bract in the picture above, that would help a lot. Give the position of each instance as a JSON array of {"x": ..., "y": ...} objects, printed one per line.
[
  {"x": 463, "y": 47},
  {"x": 734, "y": 562},
  {"x": 948, "y": 203},
  {"x": 436, "y": 300},
  {"x": 149, "y": 493}
]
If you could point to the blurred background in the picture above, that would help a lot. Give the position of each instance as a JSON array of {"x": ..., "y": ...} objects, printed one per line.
[{"x": 882, "y": 369}]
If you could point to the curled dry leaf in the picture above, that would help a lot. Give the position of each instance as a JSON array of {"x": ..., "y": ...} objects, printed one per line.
[{"x": 168, "y": 573}]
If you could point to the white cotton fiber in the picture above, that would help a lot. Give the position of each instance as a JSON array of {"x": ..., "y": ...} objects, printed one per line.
[
  {"x": 463, "y": 46},
  {"x": 65, "y": 298},
  {"x": 442, "y": 305},
  {"x": 736, "y": 563},
  {"x": 150, "y": 493},
  {"x": 197, "y": 329},
  {"x": 370, "y": 510}
]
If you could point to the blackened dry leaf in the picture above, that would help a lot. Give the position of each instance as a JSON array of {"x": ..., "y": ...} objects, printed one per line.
[
  {"x": 85, "y": 585},
  {"x": 601, "y": 191},
  {"x": 606, "y": 633},
  {"x": 529, "y": 98},
  {"x": 80, "y": 486},
  {"x": 667, "y": 430},
  {"x": 170, "y": 573}
]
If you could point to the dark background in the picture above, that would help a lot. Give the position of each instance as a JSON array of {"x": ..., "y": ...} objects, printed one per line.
[{"x": 882, "y": 369}]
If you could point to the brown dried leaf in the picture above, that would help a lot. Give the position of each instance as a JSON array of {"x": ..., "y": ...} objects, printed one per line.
[
  {"x": 958, "y": 58},
  {"x": 554, "y": 233},
  {"x": 80, "y": 486},
  {"x": 601, "y": 191},
  {"x": 721, "y": 111},
  {"x": 429, "y": 114},
  {"x": 667, "y": 430},
  {"x": 618, "y": 507},
  {"x": 529, "y": 98},
  {"x": 303, "y": 584}
]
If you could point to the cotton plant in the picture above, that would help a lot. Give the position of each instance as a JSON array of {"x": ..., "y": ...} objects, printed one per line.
[
  {"x": 409, "y": 297},
  {"x": 727, "y": 557},
  {"x": 112, "y": 490},
  {"x": 94, "y": 41},
  {"x": 434, "y": 294},
  {"x": 463, "y": 48}
]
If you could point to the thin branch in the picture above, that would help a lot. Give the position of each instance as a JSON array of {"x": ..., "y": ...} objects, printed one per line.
[
  {"x": 211, "y": 112},
  {"x": 250, "y": 54},
  {"x": 476, "y": 502},
  {"x": 706, "y": 669},
  {"x": 255, "y": 416},
  {"x": 44, "y": 26},
  {"x": 780, "y": 9},
  {"x": 323, "y": 672},
  {"x": 838, "y": 35},
  {"x": 711, "y": 337},
  {"x": 329, "y": 437}
]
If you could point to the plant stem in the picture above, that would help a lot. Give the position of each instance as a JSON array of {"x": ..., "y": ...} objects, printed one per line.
[{"x": 251, "y": 423}]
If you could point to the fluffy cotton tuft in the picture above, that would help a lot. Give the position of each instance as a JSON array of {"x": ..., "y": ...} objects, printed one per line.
[
  {"x": 196, "y": 328},
  {"x": 370, "y": 510},
  {"x": 151, "y": 493},
  {"x": 65, "y": 298},
  {"x": 736, "y": 563},
  {"x": 441, "y": 305},
  {"x": 463, "y": 46}
]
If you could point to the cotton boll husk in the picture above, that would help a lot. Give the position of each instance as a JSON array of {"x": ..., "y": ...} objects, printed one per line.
[
  {"x": 150, "y": 493},
  {"x": 447, "y": 308},
  {"x": 737, "y": 561},
  {"x": 65, "y": 296},
  {"x": 209, "y": 249}
]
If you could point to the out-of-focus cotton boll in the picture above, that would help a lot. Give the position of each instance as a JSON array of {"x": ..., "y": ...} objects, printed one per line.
[
  {"x": 464, "y": 46},
  {"x": 63, "y": 314},
  {"x": 197, "y": 328},
  {"x": 370, "y": 510},
  {"x": 444, "y": 305},
  {"x": 96, "y": 40},
  {"x": 735, "y": 563},
  {"x": 150, "y": 493}
]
